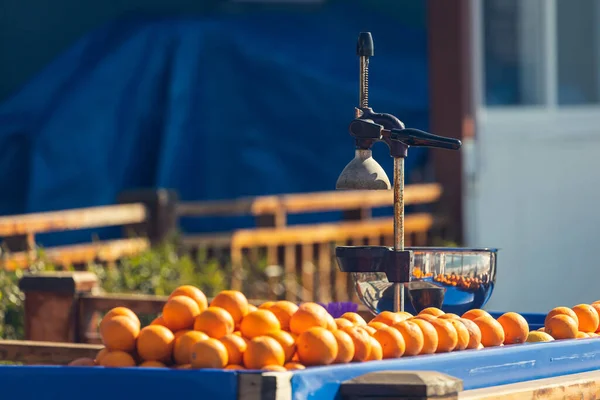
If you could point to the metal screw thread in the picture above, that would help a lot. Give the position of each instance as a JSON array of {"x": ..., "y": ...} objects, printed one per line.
[{"x": 364, "y": 82}]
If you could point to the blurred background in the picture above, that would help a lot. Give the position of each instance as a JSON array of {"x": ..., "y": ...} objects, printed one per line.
[{"x": 222, "y": 99}]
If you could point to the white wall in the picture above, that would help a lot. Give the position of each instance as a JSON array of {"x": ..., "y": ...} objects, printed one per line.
[{"x": 536, "y": 196}]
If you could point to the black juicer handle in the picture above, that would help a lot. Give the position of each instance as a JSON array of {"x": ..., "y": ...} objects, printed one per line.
[{"x": 418, "y": 138}]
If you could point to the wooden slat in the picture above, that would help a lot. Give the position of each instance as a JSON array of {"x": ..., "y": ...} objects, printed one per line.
[
  {"x": 360, "y": 199},
  {"x": 308, "y": 272},
  {"x": 585, "y": 385},
  {"x": 30, "y": 352},
  {"x": 106, "y": 251},
  {"x": 311, "y": 202},
  {"x": 289, "y": 267},
  {"x": 340, "y": 284},
  {"x": 80, "y": 218},
  {"x": 138, "y": 303},
  {"x": 324, "y": 273},
  {"x": 265, "y": 386},
  {"x": 313, "y": 233}
]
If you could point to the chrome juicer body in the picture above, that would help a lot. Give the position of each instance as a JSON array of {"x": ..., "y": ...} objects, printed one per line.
[{"x": 383, "y": 274}]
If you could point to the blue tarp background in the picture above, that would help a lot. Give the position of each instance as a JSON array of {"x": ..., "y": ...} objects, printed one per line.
[{"x": 215, "y": 108}]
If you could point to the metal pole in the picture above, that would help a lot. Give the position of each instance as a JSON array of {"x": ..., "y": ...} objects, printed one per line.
[
  {"x": 399, "y": 225},
  {"x": 363, "y": 100}
]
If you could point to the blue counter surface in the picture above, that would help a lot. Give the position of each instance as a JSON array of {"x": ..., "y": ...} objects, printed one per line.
[{"x": 481, "y": 368}]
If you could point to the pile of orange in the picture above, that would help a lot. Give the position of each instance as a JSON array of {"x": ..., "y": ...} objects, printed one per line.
[
  {"x": 579, "y": 322},
  {"x": 230, "y": 333}
]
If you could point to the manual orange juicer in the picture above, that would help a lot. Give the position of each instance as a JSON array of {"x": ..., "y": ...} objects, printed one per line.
[{"x": 377, "y": 270}]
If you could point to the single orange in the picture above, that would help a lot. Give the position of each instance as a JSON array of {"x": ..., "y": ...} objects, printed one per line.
[
  {"x": 121, "y": 311},
  {"x": 370, "y": 330},
  {"x": 155, "y": 343},
  {"x": 355, "y": 318},
  {"x": 447, "y": 335},
  {"x": 474, "y": 333},
  {"x": 284, "y": 310},
  {"x": 376, "y": 325},
  {"x": 308, "y": 315},
  {"x": 274, "y": 368},
  {"x": 561, "y": 326},
  {"x": 209, "y": 353},
  {"x": 82, "y": 362},
  {"x": 232, "y": 301},
  {"x": 515, "y": 326},
  {"x": 159, "y": 321},
  {"x": 436, "y": 312},
  {"x": 391, "y": 341},
  {"x": 376, "y": 352},
  {"x": 542, "y": 329},
  {"x": 430, "y": 336},
  {"x": 215, "y": 322},
  {"x": 100, "y": 354},
  {"x": 362, "y": 342},
  {"x": 182, "y": 347},
  {"x": 266, "y": 305},
  {"x": 475, "y": 313},
  {"x": 236, "y": 346},
  {"x": 388, "y": 318},
  {"x": 492, "y": 333},
  {"x": 331, "y": 325},
  {"x": 184, "y": 366},
  {"x": 597, "y": 308},
  {"x": 259, "y": 323},
  {"x": 561, "y": 311},
  {"x": 193, "y": 293},
  {"x": 287, "y": 342},
  {"x": 462, "y": 334},
  {"x": 178, "y": 334},
  {"x": 234, "y": 367},
  {"x": 588, "y": 317},
  {"x": 345, "y": 347},
  {"x": 294, "y": 366},
  {"x": 316, "y": 346},
  {"x": 179, "y": 313},
  {"x": 263, "y": 351},
  {"x": 426, "y": 317},
  {"x": 449, "y": 316},
  {"x": 406, "y": 313},
  {"x": 119, "y": 333},
  {"x": 117, "y": 359},
  {"x": 152, "y": 364},
  {"x": 596, "y": 302},
  {"x": 412, "y": 335},
  {"x": 582, "y": 335},
  {"x": 342, "y": 323}
]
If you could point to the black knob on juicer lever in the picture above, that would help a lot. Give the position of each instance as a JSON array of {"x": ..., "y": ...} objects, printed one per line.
[
  {"x": 418, "y": 138},
  {"x": 364, "y": 45}
]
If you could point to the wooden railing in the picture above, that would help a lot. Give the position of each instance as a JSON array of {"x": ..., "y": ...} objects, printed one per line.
[
  {"x": 19, "y": 233},
  {"x": 304, "y": 253}
]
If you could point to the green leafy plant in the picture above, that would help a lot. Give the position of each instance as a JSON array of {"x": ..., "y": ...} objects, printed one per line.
[{"x": 157, "y": 271}]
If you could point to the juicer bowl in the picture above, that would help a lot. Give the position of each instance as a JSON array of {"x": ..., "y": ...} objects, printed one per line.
[{"x": 463, "y": 277}]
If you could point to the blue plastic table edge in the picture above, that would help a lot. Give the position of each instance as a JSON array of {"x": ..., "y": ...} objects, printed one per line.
[{"x": 477, "y": 368}]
